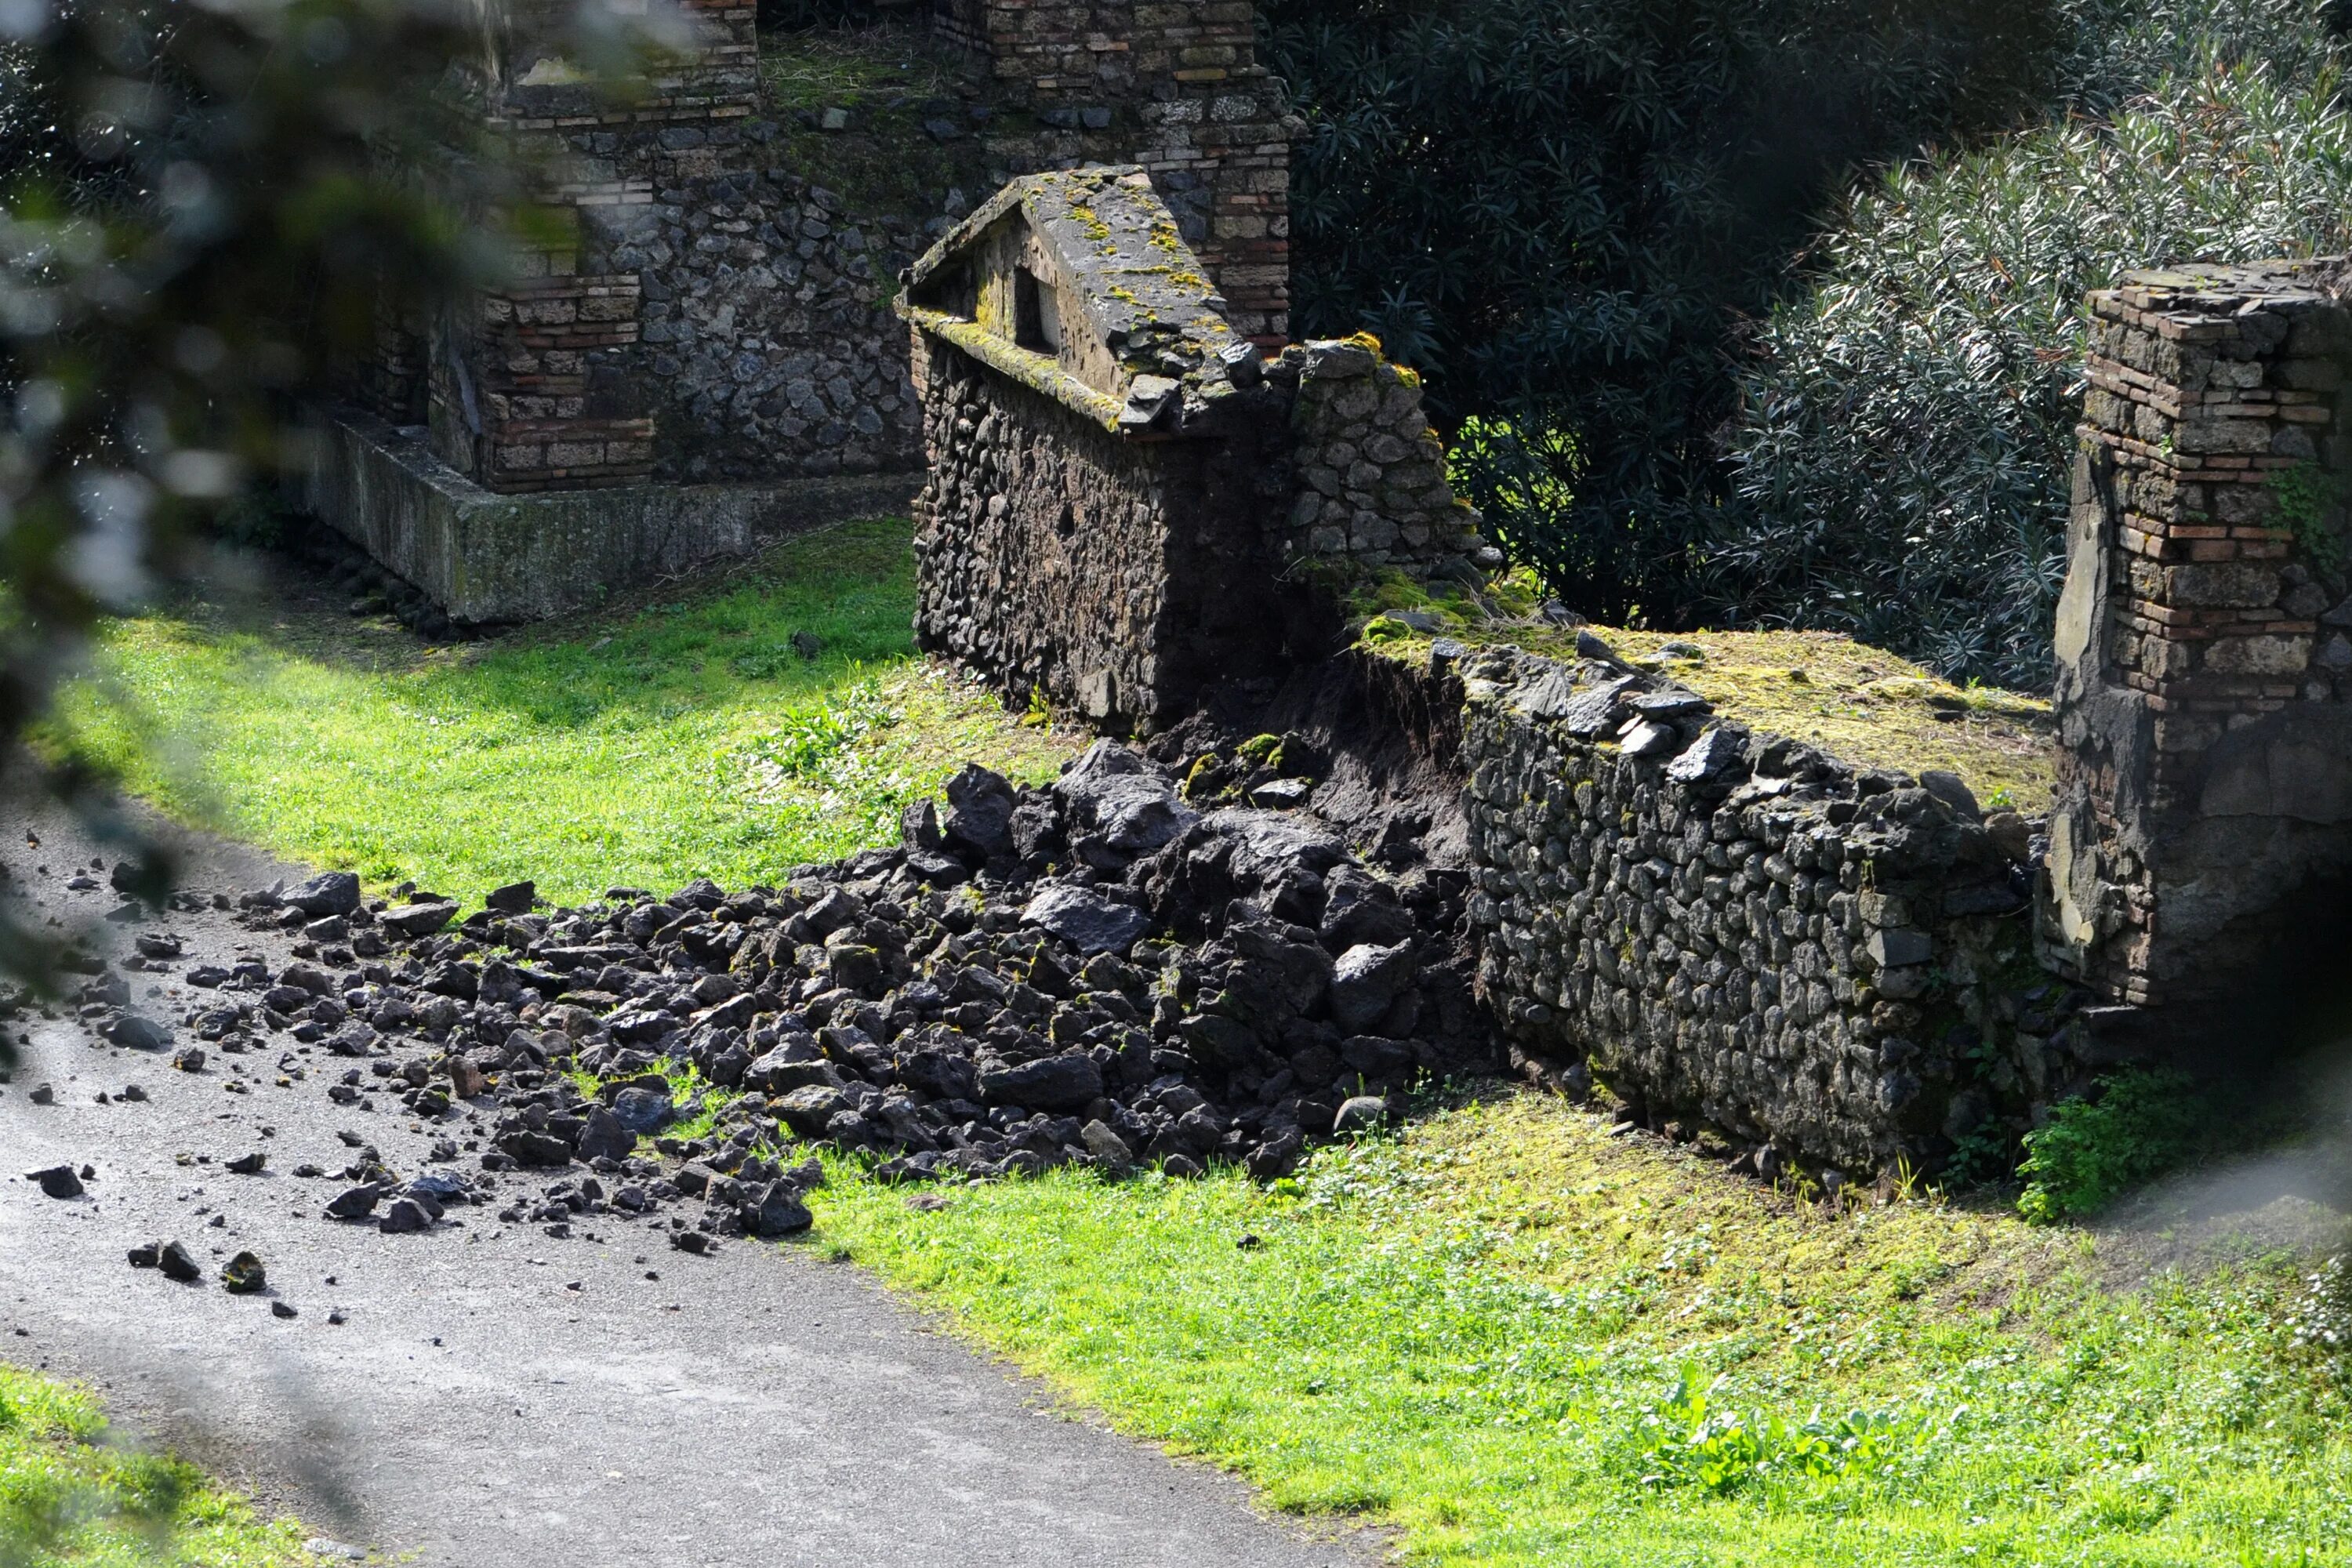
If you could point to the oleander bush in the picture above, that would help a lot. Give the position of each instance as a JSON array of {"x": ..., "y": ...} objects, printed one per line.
[{"x": 1903, "y": 457}]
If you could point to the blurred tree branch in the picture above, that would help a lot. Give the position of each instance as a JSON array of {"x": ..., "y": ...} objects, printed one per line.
[{"x": 202, "y": 207}]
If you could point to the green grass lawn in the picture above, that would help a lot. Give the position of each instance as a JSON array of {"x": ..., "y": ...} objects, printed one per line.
[
  {"x": 676, "y": 739},
  {"x": 1487, "y": 1335},
  {"x": 68, "y": 1497},
  {"x": 1508, "y": 1336}
]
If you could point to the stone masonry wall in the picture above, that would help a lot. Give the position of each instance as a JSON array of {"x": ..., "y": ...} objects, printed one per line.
[
  {"x": 769, "y": 336},
  {"x": 1117, "y": 576},
  {"x": 1831, "y": 963},
  {"x": 2205, "y": 672},
  {"x": 1371, "y": 471}
]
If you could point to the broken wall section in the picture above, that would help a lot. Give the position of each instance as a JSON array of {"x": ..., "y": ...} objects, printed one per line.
[{"x": 1830, "y": 964}]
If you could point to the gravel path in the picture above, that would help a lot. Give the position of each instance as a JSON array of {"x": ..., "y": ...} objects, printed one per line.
[{"x": 498, "y": 1399}]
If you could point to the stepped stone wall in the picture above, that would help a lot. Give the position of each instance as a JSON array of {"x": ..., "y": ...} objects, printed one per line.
[{"x": 2204, "y": 639}]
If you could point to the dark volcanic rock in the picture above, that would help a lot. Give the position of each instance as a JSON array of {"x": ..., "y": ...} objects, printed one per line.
[
  {"x": 1086, "y": 920},
  {"x": 642, "y": 1111},
  {"x": 178, "y": 1263},
  {"x": 514, "y": 899},
  {"x": 606, "y": 1136},
  {"x": 776, "y": 1211},
  {"x": 1054, "y": 1083},
  {"x": 419, "y": 919},
  {"x": 980, "y": 812},
  {"x": 244, "y": 1274},
  {"x": 57, "y": 1180},
  {"x": 404, "y": 1215},
  {"x": 328, "y": 894},
  {"x": 135, "y": 1032}
]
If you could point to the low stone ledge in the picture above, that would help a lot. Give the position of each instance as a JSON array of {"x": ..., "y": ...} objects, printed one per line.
[{"x": 487, "y": 558}]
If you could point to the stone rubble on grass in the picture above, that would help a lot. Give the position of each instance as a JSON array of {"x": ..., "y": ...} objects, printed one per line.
[{"x": 1092, "y": 973}]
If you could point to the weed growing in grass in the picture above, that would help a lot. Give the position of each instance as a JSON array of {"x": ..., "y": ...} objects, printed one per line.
[
  {"x": 2136, "y": 1125},
  {"x": 1692, "y": 1441}
]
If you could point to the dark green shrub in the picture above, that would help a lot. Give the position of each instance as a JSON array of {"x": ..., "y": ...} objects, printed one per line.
[
  {"x": 2136, "y": 1125},
  {"x": 1569, "y": 214},
  {"x": 1558, "y": 209}
]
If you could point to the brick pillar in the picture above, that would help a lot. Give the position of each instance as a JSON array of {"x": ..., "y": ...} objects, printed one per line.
[{"x": 2204, "y": 809}]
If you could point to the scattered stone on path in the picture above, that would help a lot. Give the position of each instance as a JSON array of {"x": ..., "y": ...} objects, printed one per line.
[
  {"x": 419, "y": 919},
  {"x": 1126, "y": 968},
  {"x": 178, "y": 1263},
  {"x": 243, "y": 1275},
  {"x": 248, "y": 1164},
  {"x": 283, "y": 1309},
  {"x": 404, "y": 1216},
  {"x": 57, "y": 1180},
  {"x": 328, "y": 894},
  {"x": 135, "y": 1032},
  {"x": 43, "y": 1094},
  {"x": 777, "y": 1210}
]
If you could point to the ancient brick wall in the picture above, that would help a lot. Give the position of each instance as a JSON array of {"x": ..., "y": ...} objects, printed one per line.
[
  {"x": 1115, "y": 577},
  {"x": 1734, "y": 929},
  {"x": 1174, "y": 87},
  {"x": 2205, "y": 673}
]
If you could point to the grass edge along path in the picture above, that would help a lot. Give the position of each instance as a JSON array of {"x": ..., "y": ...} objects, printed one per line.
[
  {"x": 688, "y": 736},
  {"x": 1515, "y": 1339},
  {"x": 70, "y": 1499}
]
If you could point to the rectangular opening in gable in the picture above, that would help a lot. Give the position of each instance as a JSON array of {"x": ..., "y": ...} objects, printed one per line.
[{"x": 1036, "y": 324}]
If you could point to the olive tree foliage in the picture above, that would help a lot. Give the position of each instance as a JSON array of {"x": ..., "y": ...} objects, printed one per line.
[
  {"x": 202, "y": 205},
  {"x": 1903, "y": 459},
  {"x": 1557, "y": 211}
]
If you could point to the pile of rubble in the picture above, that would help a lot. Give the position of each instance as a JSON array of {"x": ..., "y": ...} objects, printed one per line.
[{"x": 1098, "y": 973}]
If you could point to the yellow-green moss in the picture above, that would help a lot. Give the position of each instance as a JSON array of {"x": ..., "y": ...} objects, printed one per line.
[{"x": 1856, "y": 702}]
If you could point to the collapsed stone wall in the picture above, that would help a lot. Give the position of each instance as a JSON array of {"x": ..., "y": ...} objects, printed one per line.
[
  {"x": 1831, "y": 963},
  {"x": 1372, "y": 487},
  {"x": 2205, "y": 672},
  {"x": 1116, "y": 577}
]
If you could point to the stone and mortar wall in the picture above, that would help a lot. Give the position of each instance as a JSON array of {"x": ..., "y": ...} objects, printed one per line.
[
  {"x": 1832, "y": 963},
  {"x": 2205, "y": 672},
  {"x": 1117, "y": 576},
  {"x": 769, "y": 338},
  {"x": 711, "y": 315},
  {"x": 1371, "y": 471}
]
